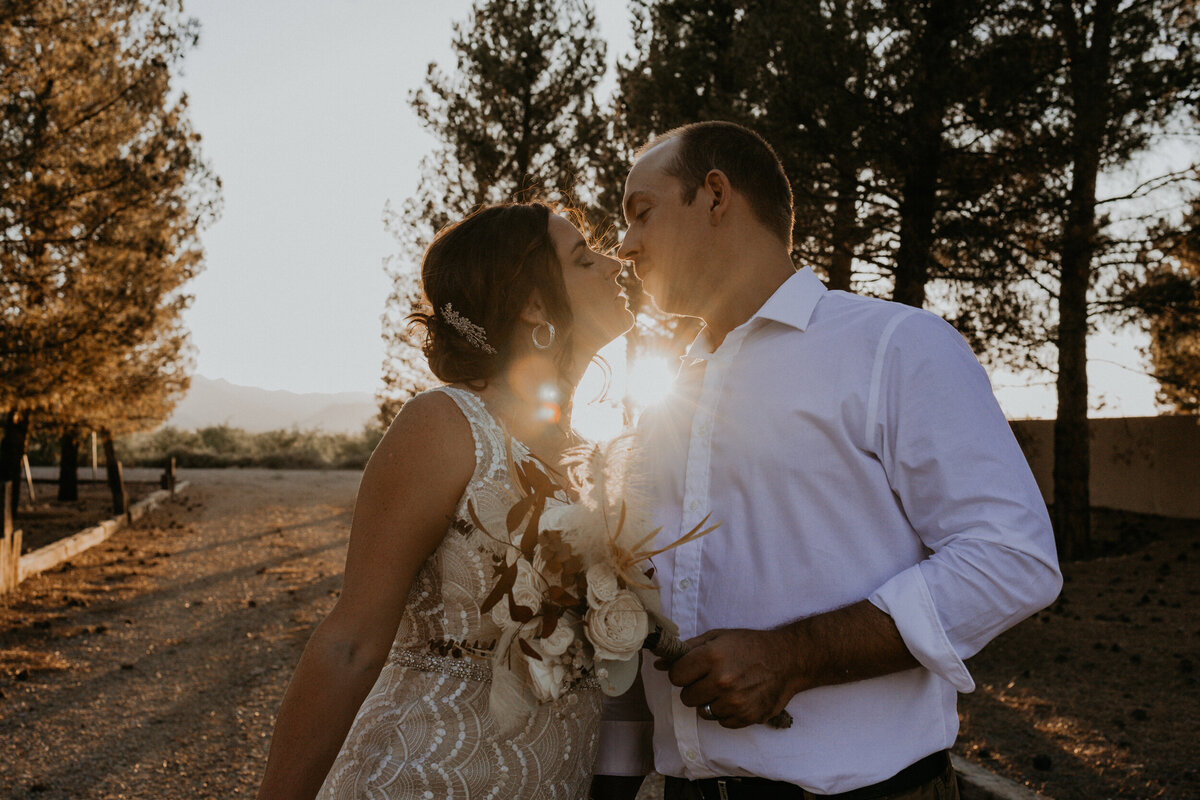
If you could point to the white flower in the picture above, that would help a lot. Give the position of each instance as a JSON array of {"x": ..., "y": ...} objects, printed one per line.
[
  {"x": 500, "y": 614},
  {"x": 557, "y": 643},
  {"x": 525, "y": 590},
  {"x": 602, "y": 585},
  {"x": 558, "y": 517},
  {"x": 617, "y": 629},
  {"x": 547, "y": 679},
  {"x": 524, "y": 593}
]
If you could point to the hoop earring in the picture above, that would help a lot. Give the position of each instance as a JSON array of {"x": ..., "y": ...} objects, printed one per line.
[{"x": 549, "y": 339}]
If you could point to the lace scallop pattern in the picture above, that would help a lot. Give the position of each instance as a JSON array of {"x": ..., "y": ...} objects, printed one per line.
[{"x": 424, "y": 730}]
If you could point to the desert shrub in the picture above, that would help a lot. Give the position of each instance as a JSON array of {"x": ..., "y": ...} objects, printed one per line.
[{"x": 226, "y": 446}]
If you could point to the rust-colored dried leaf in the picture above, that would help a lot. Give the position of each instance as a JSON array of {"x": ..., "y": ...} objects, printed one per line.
[
  {"x": 528, "y": 650},
  {"x": 562, "y": 597},
  {"x": 475, "y": 516},
  {"x": 503, "y": 586},
  {"x": 518, "y": 512},
  {"x": 519, "y": 613},
  {"x": 529, "y": 539}
]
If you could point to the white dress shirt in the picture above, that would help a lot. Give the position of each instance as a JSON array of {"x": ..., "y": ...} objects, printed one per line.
[{"x": 850, "y": 448}]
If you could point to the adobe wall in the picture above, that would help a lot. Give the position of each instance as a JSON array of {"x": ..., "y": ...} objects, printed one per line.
[{"x": 1150, "y": 465}]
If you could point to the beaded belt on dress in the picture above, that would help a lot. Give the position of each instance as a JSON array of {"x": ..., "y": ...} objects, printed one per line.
[{"x": 467, "y": 668}]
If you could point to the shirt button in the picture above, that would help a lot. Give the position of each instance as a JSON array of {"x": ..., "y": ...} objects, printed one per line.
[
  {"x": 686, "y": 582},
  {"x": 694, "y": 505},
  {"x": 691, "y": 755}
]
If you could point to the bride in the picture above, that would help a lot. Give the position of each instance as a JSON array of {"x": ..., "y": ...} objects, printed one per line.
[{"x": 390, "y": 698}]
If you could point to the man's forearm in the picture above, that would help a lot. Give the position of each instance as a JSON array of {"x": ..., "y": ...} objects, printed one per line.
[{"x": 848, "y": 644}]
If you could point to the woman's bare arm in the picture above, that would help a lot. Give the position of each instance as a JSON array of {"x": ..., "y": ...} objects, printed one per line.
[{"x": 407, "y": 497}]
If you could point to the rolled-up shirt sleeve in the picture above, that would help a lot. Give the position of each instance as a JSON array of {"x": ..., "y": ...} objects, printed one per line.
[
  {"x": 626, "y": 735},
  {"x": 966, "y": 488}
]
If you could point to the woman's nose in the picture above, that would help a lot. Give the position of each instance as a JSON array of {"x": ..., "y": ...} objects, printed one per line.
[{"x": 614, "y": 267}]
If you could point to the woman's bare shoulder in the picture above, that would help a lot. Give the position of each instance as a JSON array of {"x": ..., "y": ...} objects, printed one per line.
[{"x": 430, "y": 428}]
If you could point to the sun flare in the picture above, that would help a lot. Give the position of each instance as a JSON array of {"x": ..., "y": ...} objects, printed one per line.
[
  {"x": 649, "y": 381},
  {"x": 600, "y": 412}
]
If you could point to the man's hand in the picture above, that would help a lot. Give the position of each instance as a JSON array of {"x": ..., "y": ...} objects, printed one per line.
[{"x": 744, "y": 676}]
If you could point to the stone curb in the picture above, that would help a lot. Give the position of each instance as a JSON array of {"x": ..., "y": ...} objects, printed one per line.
[
  {"x": 52, "y": 555},
  {"x": 977, "y": 783}
]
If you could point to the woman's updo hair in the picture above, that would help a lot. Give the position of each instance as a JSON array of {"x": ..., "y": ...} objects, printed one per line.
[{"x": 476, "y": 278}]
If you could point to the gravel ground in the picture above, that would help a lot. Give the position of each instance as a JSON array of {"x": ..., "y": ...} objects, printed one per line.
[{"x": 151, "y": 666}]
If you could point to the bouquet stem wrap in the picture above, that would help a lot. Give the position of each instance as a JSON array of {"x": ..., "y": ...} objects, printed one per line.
[{"x": 670, "y": 648}]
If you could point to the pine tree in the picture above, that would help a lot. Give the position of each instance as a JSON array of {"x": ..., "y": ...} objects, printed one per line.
[
  {"x": 893, "y": 119},
  {"x": 517, "y": 120},
  {"x": 103, "y": 196},
  {"x": 1128, "y": 68}
]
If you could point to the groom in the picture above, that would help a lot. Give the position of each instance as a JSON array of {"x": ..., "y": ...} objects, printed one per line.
[{"x": 879, "y": 523}]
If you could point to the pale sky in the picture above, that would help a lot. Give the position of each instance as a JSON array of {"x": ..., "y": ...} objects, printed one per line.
[{"x": 302, "y": 106}]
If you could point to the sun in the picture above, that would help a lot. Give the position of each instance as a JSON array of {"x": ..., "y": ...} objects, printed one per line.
[
  {"x": 649, "y": 380},
  {"x": 600, "y": 410}
]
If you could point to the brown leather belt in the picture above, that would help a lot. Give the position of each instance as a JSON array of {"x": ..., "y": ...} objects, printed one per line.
[{"x": 907, "y": 779}]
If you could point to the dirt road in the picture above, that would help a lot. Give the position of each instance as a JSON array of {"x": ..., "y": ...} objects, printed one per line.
[{"x": 152, "y": 665}]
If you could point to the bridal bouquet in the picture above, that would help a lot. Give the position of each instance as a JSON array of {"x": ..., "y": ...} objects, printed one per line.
[{"x": 574, "y": 595}]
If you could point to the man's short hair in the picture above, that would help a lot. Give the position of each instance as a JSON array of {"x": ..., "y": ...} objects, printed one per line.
[{"x": 747, "y": 160}]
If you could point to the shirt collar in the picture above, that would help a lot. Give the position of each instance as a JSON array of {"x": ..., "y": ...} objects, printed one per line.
[
  {"x": 794, "y": 301},
  {"x": 791, "y": 304}
]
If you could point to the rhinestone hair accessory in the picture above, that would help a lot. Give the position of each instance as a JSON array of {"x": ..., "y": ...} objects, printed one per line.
[{"x": 474, "y": 334}]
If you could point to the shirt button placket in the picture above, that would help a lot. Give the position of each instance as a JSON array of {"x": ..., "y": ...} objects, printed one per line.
[{"x": 697, "y": 502}]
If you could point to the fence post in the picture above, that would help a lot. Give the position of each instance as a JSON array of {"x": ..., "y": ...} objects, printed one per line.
[
  {"x": 116, "y": 484},
  {"x": 10, "y": 546},
  {"x": 28, "y": 478},
  {"x": 168, "y": 477}
]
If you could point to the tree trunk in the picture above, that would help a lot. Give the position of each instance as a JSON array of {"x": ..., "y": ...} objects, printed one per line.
[
  {"x": 68, "y": 466},
  {"x": 12, "y": 447},
  {"x": 1072, "y": 450},
  {"x": 116, "y": 481},
  {"x": 845, "y": 216},
  {"x": 924, "y": 153}
]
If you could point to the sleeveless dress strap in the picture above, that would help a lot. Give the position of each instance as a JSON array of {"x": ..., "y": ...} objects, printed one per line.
[{"x": 490, "y": 450}]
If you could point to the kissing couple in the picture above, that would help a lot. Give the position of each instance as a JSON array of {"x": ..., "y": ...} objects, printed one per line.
[{"x": 878, "y": 524}]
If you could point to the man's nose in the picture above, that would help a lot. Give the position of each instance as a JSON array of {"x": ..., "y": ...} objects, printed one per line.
[{"x": 628, "y": 248}]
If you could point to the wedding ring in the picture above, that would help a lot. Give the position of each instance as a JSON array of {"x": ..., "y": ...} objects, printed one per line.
[{"x": 705, "y": 711}]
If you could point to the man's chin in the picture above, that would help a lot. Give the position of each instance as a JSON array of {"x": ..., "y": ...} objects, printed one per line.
[
  {"x": 665, "y": 306},
  {"x": 655, "y": 292}
]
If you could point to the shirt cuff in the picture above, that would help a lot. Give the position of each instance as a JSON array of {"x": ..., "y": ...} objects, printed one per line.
[
  {"x": 626, "y": 748},
  {"x": 906, "y": 599}
]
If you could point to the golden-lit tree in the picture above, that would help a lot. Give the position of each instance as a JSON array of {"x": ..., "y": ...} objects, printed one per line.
[
  {"x": 1168, "y": 303},
  {"x": 102, "y": 196}
]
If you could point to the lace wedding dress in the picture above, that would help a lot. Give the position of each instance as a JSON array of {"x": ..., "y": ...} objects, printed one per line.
[{"x": 424, "y": 730}]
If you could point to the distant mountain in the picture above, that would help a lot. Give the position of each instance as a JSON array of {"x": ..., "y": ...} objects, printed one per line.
[{"x": 219, "y": 402}]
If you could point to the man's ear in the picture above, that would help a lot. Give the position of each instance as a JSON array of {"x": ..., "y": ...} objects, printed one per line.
[
  {"x": 720, "y": 194},
  {"x": 534, "y": 312}
]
